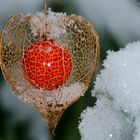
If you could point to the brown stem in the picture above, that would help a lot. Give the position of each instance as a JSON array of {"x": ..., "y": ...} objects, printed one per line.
[{"x": 46, "y": 5}]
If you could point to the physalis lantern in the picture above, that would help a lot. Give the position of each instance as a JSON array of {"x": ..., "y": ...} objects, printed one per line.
[{"x": 48, "y": 60}]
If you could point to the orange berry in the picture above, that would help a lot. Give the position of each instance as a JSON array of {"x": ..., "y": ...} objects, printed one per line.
[{"x": 47, "y": 64}]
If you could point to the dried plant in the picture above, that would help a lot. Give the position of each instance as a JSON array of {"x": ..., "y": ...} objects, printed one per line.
[{"x": 74, "y": 33}]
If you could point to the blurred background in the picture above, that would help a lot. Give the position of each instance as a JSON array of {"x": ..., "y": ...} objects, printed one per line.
[{"x": 117, "y": 23}]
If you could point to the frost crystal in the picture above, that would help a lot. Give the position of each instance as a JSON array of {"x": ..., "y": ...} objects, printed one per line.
[
  {"x": 40, "y": 22},
  {"x": 120, "y": 78},
  {"x": 105, "y": 122},
  {"x": 62, "y": 95}
]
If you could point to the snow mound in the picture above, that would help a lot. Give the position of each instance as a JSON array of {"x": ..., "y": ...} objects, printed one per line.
[
  {"x": 105, "y": 122},
  {"x": 120, "y": 78}
]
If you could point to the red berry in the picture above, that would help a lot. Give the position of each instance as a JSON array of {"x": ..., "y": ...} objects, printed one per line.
[{"x": 47, "y": 65}]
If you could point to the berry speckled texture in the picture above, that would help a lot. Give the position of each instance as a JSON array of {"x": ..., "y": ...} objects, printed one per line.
[{"x": 47, "y": 64}]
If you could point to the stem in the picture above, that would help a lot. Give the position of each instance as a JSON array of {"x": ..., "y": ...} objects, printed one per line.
[
  {"x": 0, "y": 55},
  {"x": 46, "y": 5}
]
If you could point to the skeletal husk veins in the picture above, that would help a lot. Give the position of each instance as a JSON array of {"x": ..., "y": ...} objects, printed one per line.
[
  {"x": 52, "y": 104},
  {"x": 76, "y": 34}
]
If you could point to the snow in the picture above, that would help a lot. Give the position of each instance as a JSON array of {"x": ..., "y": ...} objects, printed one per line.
[
  {"x": 52, "y": 15},
  {"x": 116, "y": 115},
  {"x": 105, "y": 122},
  {"x": 52, "y": 23},
  {"x": 38, "y": 23},
  {"x": 63, "y": 95},
  {"x": 120, "y": 78}
]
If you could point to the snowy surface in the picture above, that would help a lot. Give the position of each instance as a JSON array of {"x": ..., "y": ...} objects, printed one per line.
[
  {"x": 120, "y": 78},
  {"x": 104, "y": 122},
  {"x": 116, "y": 115}
]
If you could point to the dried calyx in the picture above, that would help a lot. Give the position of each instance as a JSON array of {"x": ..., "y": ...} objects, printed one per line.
[{"x": 75, "y": 34}]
